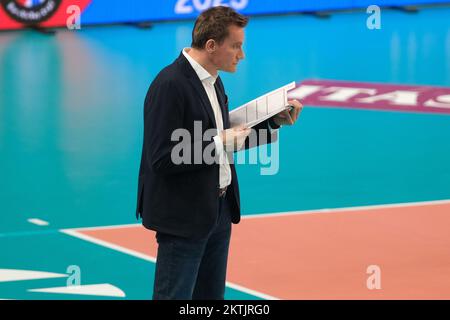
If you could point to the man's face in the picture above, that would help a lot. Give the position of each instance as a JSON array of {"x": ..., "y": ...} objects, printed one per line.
[{"x": 229, "y": 52}]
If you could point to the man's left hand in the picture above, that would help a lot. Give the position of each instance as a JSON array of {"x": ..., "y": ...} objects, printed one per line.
[{"x": 287, "y": 117}]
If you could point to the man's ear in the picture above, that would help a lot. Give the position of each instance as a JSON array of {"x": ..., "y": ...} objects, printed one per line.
[{"x": 210, "y": 46}]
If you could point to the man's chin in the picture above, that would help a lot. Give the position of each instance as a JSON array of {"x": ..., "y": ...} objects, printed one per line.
[{"x": 231, "y": 69}]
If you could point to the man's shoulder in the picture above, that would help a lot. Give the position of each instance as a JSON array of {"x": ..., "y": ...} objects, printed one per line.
[
  {"x": 171, "y": 74},
  {"x": 170, "y": 78}
]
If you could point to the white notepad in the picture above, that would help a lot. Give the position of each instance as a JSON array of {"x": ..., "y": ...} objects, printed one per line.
[{"x": 261, "y": 108}]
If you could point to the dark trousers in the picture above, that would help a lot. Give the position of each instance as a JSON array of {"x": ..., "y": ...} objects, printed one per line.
[{"x": 194, "y": 269}]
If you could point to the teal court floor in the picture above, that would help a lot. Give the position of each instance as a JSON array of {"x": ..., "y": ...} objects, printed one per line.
[{"x": 71, "y": 133}]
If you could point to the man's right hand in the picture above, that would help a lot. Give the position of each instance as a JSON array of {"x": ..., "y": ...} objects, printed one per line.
[{"x": 233, "y": 139}]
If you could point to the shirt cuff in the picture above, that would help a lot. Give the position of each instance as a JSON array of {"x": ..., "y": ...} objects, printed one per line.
[{"x": 220, "y": 151}]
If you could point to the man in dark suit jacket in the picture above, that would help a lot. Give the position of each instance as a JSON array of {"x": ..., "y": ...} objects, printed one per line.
[{"x": 191, "y": 204}]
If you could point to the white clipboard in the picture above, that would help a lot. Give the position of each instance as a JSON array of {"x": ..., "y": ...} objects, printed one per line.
[{"x": 261, "y": 108}]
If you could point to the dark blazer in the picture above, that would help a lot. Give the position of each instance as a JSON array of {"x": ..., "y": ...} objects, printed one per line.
[{"x": 182, "y": 199}]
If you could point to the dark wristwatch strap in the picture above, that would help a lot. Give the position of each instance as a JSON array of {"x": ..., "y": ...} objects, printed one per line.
[{"x": 272, "y": 124}]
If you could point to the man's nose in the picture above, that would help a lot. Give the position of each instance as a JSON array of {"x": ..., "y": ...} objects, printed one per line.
[{"x": 241, "y": 54}]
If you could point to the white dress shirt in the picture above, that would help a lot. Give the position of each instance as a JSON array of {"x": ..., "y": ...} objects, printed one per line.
[{"x": 208, "y": 81}]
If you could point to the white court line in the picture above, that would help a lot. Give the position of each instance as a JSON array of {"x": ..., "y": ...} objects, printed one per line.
[
  {"x": 38, "y": 222},
  {"x": 335, "y": 210},
  {"x": 116, "y": 226},
  {"x": 100, "y": 289},
  {"x": 290, "y": 213},
  {"x": 10, "y": 275},
  {"x": 74, "y": 233},
  {"x": 250, "y": 291}
]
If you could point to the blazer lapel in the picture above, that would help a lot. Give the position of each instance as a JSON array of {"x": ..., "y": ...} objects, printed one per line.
[
  {"x": 223, "y": 101},
  {"x": 197, "y": 84}
]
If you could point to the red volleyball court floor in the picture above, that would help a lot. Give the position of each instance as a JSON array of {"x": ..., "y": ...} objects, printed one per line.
[{"x": 325, "y": 254}]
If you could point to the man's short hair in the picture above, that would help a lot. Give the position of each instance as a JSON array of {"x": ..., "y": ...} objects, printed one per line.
[{"x": 213, "y": 24}]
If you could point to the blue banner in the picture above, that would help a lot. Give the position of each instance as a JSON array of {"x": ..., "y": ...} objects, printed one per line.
[{"x": 113, "y": 11}]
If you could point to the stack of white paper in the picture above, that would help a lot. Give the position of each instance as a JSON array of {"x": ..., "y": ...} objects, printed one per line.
[{"x": 261, "y": 108}]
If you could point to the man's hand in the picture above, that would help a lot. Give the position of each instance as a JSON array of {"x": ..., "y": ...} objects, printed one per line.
[
  {"x": 233, "y": 139},
  {"x": 287, "y": 117}
]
